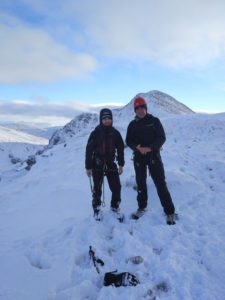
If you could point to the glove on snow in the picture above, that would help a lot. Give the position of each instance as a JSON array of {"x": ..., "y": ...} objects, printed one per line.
[{"x": 120, "y": 279}]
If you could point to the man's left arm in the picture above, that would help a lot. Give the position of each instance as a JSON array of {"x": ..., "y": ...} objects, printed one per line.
[
  {"x": 120, "y": 149},
  {"x": 160, "y": 135}
]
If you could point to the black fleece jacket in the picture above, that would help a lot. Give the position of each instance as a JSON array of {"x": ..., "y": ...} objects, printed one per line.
[
  {"x": 147, "y": 132},
  {"x": 104, "y": 143}
]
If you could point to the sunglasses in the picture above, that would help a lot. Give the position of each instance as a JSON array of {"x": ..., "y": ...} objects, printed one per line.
[
  {"x": 106, "y": 118},
  {"x": 140, "y": 106}
]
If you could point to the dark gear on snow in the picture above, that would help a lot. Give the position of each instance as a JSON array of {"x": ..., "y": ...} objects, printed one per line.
[
  {"x": 120, "y": 279},
  {"x": 95, "y": 260},
  {"x": 113, "y": 278}
]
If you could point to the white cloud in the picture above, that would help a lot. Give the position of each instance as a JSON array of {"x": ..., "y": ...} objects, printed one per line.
[
  {"x": 33, "y": 109},
  {"x": 109, "y": 104},
  {"x": 176, "y": 33},
  {"x": 50, "y": 114},
  {"x": 31, "y": 54},
  {"x": 42, "y": 121}
]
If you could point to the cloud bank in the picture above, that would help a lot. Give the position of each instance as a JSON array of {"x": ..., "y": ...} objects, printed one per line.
[
  {"x": 51, "y": 114},
  {"x": 31, "y": 54}
]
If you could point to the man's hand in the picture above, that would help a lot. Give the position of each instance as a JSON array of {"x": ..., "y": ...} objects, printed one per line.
[
  {"x": 143, "y": 150},
  {"x": 89, "y": 172},
  {"x": 120, "y": 170}
]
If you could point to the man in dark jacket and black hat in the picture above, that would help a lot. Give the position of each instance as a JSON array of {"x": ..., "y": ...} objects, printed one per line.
[
  {"x": 145, "y": 136},
  {"x": 104, "y": 145}
]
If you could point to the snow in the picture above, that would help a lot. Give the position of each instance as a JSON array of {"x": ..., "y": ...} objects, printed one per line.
[
  {"x": 47, "y": 226},
  {"x": 8, "y": 135},
  {"x": 16, "y": 144}
]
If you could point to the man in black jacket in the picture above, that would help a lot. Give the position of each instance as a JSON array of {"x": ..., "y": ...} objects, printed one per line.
[
  {"x": 104, "y": 145},
  {"x": 145, "y": 136}
]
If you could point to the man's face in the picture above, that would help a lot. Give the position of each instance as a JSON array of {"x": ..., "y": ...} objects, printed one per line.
[
  {"x": 107, "y": 122},
  {"x": 141, "y": 111}
]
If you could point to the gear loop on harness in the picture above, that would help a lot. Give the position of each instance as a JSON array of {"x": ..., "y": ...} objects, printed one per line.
[{"x": 103, "y": 183}]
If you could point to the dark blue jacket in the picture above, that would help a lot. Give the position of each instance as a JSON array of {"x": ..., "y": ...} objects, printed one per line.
[
  {"x": 147, "y": 132},
  {"x": 105, "y": 144}
]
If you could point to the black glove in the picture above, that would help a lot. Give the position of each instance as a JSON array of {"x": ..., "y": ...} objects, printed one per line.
[
  {"x": 120, "y": 279},
  {"x": 99, "y": 261}
]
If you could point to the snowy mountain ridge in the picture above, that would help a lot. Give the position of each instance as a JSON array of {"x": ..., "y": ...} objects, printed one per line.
[
  {"x": 79, "y": 125},
  {"x": 160, "y": 104},
  {"x": 165, "y": 102}
]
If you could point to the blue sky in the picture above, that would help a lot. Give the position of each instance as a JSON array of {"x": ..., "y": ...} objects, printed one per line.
[{"x": 108, "y": 51}]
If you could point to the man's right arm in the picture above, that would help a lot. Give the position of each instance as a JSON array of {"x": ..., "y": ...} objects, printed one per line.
[
  {"x": 130, "y": 138},
  {"x": 89, "y": 151}
]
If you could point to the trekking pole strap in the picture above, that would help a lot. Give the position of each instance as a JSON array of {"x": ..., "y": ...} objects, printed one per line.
[
  {"x": 91, "y": 184},
  {"x": 103, "y": 192},
  {"x": 103, "y": 184}
]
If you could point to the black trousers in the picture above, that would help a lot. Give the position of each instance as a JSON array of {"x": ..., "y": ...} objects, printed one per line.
[
  {"x": 157, "y": 173},
  {"x": 111, "y": 173}
]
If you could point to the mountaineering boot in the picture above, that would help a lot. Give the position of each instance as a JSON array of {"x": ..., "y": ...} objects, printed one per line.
[
  {"x": 138, "y": 214},
  {"x": 170, "y": 219},
  {"x": 118, "y": 214},
  {"x": 98, "y": 215}
]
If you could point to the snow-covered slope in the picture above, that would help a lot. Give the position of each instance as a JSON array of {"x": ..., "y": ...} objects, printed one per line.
[
  {"x": 9, "y": 135},
  {"x": 37, "y": 130},
  {"x": 46, "y": 222},
  {"x": 17, "y": 146}
]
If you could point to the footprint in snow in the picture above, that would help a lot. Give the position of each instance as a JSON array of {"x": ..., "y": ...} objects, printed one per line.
[{"x": 39, "y": 259}]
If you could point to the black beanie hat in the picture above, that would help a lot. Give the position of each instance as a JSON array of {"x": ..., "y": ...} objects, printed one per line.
[{"x": 105, "y": 113}]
